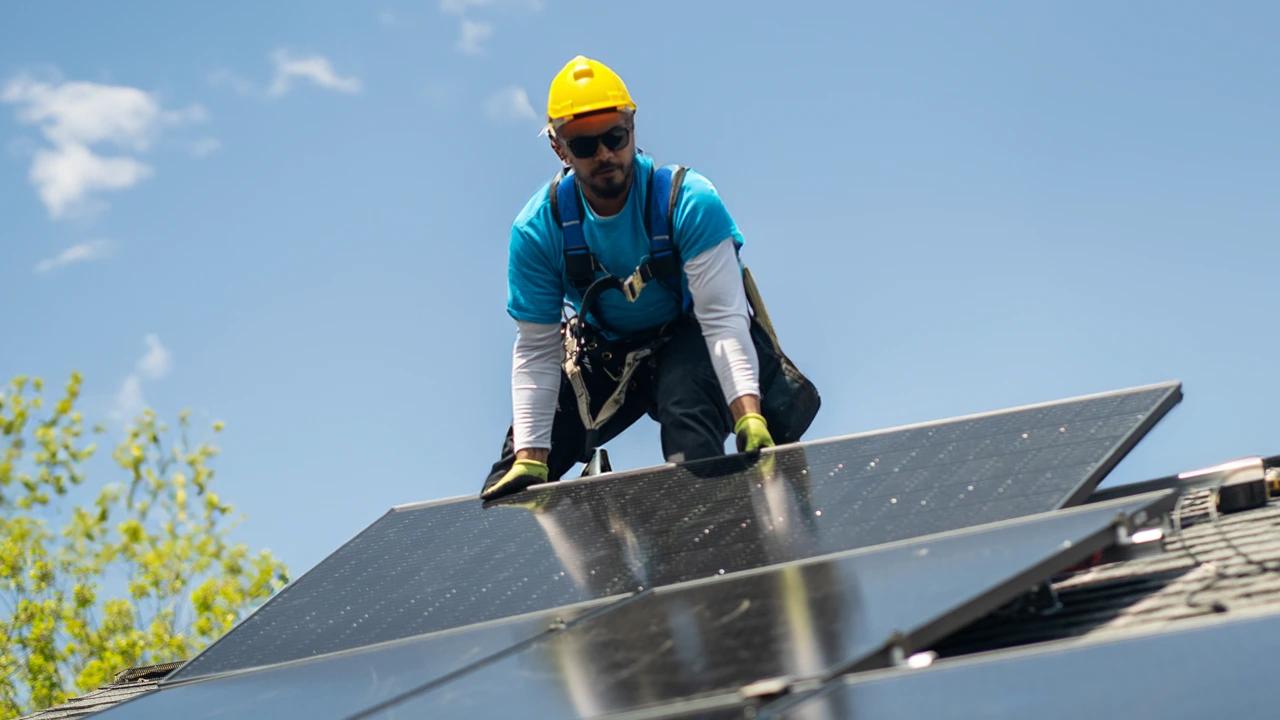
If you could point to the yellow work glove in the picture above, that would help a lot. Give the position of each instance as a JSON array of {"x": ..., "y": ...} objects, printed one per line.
[
  {"x": 521, "y": 475},
  {"x": 752, "y": 432}
]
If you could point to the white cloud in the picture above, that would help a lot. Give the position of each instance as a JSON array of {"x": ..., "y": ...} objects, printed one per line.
[
  {"x": 84, "y": 113},
  {"x": 471, "y": 34},
  {"x": 65, "y": 176},
  {"x": 155, "y": 364},
  {"x": 84, "y": 252},
  {"x": 158, "y": 361},
  {"x": 388, "y": 19},
  {"x": 73, "y": 116},
  {"x": 315, "y": 68},
  {"x": 510, "y": 105},
  {"x": 205, "y": 147},
  {"x": 223, "y": 78},
  {"x": 129, "y": 400}
]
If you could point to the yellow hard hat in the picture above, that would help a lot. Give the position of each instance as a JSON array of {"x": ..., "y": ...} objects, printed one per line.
[{"x": 583, "y": 86}]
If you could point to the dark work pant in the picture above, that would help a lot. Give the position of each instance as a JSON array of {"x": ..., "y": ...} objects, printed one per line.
[{"x": 678, "y": 388}]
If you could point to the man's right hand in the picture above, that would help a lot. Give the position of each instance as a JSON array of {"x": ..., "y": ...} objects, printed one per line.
[{"x": 523, "y": 473}]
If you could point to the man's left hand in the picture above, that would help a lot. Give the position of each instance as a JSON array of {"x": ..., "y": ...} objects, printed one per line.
[{"x": 752, "y": 432}]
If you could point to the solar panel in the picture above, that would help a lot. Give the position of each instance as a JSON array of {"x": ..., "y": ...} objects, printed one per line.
[
  {"x": 425, "y": 568},
  {"x": 807, "y": 620},
  {"x": 1222, "y": 669},
  {"x": 341, "y": 684}
]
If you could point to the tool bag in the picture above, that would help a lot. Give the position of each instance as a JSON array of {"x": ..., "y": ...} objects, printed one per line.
[{"x": 789, "y": 401}]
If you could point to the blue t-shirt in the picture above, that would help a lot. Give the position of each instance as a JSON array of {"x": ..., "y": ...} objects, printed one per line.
[{"x": 538, "y": 286}]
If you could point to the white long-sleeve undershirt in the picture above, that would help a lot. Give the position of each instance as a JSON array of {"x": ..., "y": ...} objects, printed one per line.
[
  {"x": 535, "y": 383},
  {"x": 720, "y": 306}
]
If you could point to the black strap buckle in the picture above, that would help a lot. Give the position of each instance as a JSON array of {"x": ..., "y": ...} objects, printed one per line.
[{"x": 580, "y": 265}]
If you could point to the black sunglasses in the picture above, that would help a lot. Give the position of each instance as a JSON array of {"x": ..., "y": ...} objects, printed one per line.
[{"x": 584, "y": 146}]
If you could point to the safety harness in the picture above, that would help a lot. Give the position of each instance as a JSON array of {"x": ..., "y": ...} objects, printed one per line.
[
  {"x": 582, "y": 340},
  {"x": 663, "y": 263}
]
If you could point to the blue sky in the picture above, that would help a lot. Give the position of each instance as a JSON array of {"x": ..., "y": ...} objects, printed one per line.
[{"x": 293, "y": 216}]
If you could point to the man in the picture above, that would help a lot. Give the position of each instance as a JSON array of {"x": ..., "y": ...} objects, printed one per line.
[{"x": 701, "y": 380}]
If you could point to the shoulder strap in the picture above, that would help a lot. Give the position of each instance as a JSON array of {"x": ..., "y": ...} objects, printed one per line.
[
  {"x": 664, "y": 257},
  {"x": 566, "y": 208}
]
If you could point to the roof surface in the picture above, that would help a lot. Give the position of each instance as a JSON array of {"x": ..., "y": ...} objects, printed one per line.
[{"x": 126, "y": 686}]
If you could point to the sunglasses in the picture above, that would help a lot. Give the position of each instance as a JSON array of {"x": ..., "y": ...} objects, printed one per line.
[{"x": 584, "y": 146}]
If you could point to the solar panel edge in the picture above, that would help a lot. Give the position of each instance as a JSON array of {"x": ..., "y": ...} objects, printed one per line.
[
  {"x": 421, "y": 504},
  {"x": 1174, "y": 385},
  {"x": 698, "y": 707},
  {"x": 1170, "y": 385},
  {"x": 178, "y": 674},
  {"x": 589, "y": 607},
  {"x": 1125, "y": 445},
  {"x": 780, "y": 708}
]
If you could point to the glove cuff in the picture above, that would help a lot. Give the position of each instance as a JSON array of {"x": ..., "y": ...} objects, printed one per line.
[
  {"x": 742, "y": 421},
  {"x": 533, "y": 467}
]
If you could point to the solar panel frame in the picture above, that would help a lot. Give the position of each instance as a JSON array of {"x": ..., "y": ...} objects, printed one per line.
[
  {"x": 1119, "y": 451},
  {"x": 1053, "y": 453}
]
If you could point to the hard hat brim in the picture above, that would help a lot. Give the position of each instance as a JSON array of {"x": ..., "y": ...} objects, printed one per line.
[{"x": 554, "y": 124}]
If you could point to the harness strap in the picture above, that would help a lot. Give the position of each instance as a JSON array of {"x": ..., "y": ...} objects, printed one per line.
[
  {"x": 580, "y": 263},
  {"x": 663, "y": 264},
  {"x": 664, "y": 257},
  {"x": 616, "y": 399}
]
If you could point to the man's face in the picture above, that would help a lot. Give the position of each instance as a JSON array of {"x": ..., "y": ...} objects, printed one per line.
[{"x": 584, "y": 144}]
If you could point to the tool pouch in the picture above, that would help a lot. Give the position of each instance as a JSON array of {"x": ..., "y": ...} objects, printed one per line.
[{"x": 789, "y": 401}]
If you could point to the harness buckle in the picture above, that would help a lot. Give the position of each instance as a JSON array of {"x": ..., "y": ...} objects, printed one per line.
[{"x": 632, "y": 286}]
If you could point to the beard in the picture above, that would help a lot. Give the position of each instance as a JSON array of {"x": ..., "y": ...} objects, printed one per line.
[{"x": 609, "y": 189}]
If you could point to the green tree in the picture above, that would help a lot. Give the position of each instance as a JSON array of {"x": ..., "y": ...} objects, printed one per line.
[{"x": 145, "y": 573}]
